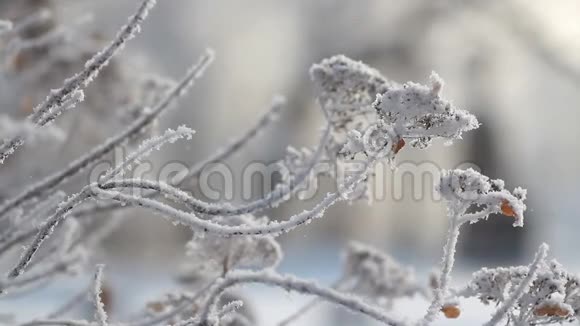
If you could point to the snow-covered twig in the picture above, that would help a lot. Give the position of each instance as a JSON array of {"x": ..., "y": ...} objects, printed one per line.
[
  {"x": 48, "y": 183},
  {"x": 272, "y": 199},
  {"x": 46, "y": 271},
  {"x": 72, "y": 101},
  {"x": 45, "y": 110},
  {"x": 522, "y": 287},
  {"x": 447, "y": 262},
  {"x": 275, "y": 228},
  {"x": 145, "y": 149},
  {"x": 291, "y": 283},
  {"x": 64, "y": 208},
  {"x": 46, "y": 229},
  {"x": 166, "y": 316},
  {"x": 179, "y": 216},
  {"x": 100, "y": 313},
  {"x": 306, "y": 308},
  {"x": 270, "y": 116},
  {"x": 16, "y": 234},
  {"x": 195, "y": 170},
  {"x": 463, "y": 189}
]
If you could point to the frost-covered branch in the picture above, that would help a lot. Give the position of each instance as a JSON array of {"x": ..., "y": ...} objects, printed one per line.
[
  {"x": 72, "y": 101},
  {"x": 521, "y": 289},
  {"x": 234, "y": 146},
  {"x": 290, "y": 283},
  {"x": 177, "y": 216},
  {"x": 100, "y": 313},
  {"x": 302, "y": 311},
  {"x": 46, "y": 271},
  {"x": 447, "y": 262},
  {"x": 165, "y": 316},
  {"x": 198, "y": 224},
  {"x": 48, "y": 183},
  {"x": 145, "y": 149},
  {"x": 195, "y": 170},
  {"x": 463, "y": 189},
  {"x": 45, "y": 111},
  {"x": 458, "y": 122},
  {"x": 48, "y": 227},
  {"x": 445, "y": 122},
  {"x": 272, "y": 199},
  {"x": 541, "y": 293},
  {"x": 373, "y": 275}
]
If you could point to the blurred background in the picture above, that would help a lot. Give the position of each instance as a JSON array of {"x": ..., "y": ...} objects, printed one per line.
[{"x": 515, "y": 64}]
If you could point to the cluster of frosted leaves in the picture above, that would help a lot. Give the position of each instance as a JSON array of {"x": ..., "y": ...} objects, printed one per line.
[
  {"x": 346, "y": 85},
  {"x": 553, "y": 297},
  {"x": 346, "y": 91},
  {"x": 372, "y": 116},
  {"x": 357, "y": 97},
  {"x": 211, "y": 255},
  {"x": 419, "y": 113},
  {"x": 470, "y": 188},
  {"x": 377, "y": 276}
]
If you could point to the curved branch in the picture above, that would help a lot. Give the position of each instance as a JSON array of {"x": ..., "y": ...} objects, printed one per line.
[
  {"x": 47, "y": 229},
  {"x": 524, "y": 285},
  {"x": 447, "y": 263},
  {"x": 279, "y": 195},
  {"x": 48, "y": 183},
  {"x": 188, "y": 219},
  {"x": 198, "y": 224},
  {"x": 264, "y": 121},
  {"x": 195, "y": 170},
  {"x": 58, "y": 97},
  {"x": 288, "y": 282}
]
